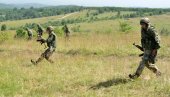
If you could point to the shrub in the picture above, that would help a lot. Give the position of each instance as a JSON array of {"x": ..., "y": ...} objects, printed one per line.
[
  {"x": 59, "y": 31},
  {"x": 3, "y": 27},
  {"x": 125, "y": 26},
  {"x": 20, "y": 33}
]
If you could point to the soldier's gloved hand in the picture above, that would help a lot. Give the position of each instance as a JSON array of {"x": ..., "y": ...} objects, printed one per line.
[{"x": 154, "y": 52}]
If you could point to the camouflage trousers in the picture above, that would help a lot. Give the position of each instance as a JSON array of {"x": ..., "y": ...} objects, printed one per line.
[
  {"x": 29, "y": 37},
  {"x": 146, "y": 62},
  {"x": 46, "y": 55},
  {"x": 67, "y": 34}
]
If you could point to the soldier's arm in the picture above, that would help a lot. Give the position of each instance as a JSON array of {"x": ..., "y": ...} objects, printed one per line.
[
  {"x": 156, "y": 38},
  {"x": 142, "y": 43},
  {"x": 50, "y": 38},
  {"x": 142, "y": 40}
]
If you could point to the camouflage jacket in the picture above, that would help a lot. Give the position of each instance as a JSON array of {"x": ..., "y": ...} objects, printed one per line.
[
  {"x": 66, "y": 30},
  {"x": 51, "y": 40},
  {"x": 150, "y": 39},
  {"x": 40, "y": 30}
]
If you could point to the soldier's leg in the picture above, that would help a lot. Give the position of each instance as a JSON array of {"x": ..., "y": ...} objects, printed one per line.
[
  {"x": 39, "y": 59},
  {"x": 67, "y": 36},
  {"x": 29, "y": 38},
  {"x": 48, "y": 55},
  {"x": 139, "y": 70},
  {"x": 141, "y": 66},
  {"x": 153, "y": 68}
]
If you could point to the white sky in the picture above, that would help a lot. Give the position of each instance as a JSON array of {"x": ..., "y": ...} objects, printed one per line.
[{"x": 117, "y": 3}]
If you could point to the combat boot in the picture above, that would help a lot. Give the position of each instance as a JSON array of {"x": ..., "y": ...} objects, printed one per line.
[
  {"x": 51, "y": 61},
  {"x": 133, "y": 76},
  {"x": 158, "y": 73},
  {"x": 33, "y": 62}
]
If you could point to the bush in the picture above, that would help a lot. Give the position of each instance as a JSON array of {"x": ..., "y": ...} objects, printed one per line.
[
  {"x": 3, "y": 27},
  {"x": 30, "y": 25},
  {"x": 124, "y": 27},
  {"x": 59, "y": 31},
  {"x": 3, "y": 37},
  {"x": 20, "y": 33}
]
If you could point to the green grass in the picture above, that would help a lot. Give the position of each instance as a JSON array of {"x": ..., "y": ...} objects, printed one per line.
[{"x": 91, "y": 64}]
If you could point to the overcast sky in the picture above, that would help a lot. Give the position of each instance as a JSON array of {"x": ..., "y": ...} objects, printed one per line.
[{"x": 118, "y": 3}]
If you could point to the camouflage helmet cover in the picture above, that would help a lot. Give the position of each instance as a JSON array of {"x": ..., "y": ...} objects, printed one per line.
[
  {"x": 145, "y": 21},
  {"x": 38, "y": 25}
]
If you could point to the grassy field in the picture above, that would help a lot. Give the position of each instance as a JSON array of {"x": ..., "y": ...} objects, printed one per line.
[{"x": 94, "y": 63}]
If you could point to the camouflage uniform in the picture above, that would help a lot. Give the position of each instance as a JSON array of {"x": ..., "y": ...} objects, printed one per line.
[
  {"x": 30, "y": 33},
  {"x": 66, "y": 31},
  {"x": 51, "y": 43},
  {"x": 39, "y": 31},
  {"x": 150, "y": 41}
]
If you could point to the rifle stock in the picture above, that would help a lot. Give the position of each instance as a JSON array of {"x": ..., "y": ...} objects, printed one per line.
[{"x": 139, "y": 47}]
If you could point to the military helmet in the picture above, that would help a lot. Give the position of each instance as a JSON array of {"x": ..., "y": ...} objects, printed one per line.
[
  {"x": 145, "y": 21},
  {"x": 50, "y": 28},
  {"x": 38, "y": 25}
]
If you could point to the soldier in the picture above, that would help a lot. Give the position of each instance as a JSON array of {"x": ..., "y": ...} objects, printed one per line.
[
  {"x": 51, "y": 43},
  {"x": 67, "y": 32},
  {"x": 150, "y": 43},
  {"x": 30, "y": 33},
  {"x": 39, "y": 31}
]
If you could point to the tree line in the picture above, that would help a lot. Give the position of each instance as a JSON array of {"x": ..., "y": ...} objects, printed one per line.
[{"x": 23, "y": 13}]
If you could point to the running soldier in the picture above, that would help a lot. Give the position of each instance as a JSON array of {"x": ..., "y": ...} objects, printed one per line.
[{"x": 150, "y": 43}]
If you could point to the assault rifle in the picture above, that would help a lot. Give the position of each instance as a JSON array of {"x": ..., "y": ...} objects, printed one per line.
[{"x": 42, "y": 41}]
